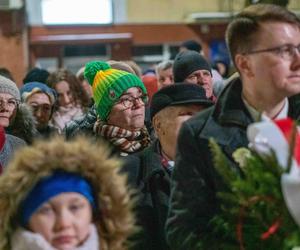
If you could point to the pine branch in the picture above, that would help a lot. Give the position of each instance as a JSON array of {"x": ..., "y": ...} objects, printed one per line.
[{"x": 221, "y": 163}]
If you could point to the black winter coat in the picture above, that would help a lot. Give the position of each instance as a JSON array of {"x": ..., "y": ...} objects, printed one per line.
[
  {"x": 195, "y": 182},
  {"x": 152, "y": 181}
]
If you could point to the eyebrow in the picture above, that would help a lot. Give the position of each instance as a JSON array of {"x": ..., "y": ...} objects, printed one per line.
[
  {"x": 125, "y": 94},
  {"x": 8, "y": 99},
  {"x": 40, "y": 103},
  {"x": 75, "y": 199},
  {"x": 131, "y": 94},
  {"x": 69, "y": 200}
]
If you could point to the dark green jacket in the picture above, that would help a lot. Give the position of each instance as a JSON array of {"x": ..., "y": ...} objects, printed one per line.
[
  {"x": 195, "y": 182},
  {"x": 152, "y": 182}
]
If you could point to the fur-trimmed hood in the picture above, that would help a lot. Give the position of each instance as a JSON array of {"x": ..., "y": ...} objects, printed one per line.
[
  {"x": 114, "y": 221},
  {"x": 23, "y": 125}
]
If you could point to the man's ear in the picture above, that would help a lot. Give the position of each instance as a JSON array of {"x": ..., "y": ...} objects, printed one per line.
[
  {"x": 156, "y": 123},
  {"x": 244, "y": 65}
]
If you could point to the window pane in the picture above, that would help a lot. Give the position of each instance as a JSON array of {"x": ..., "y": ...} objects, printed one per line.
[{"x": 76, "y": 12}]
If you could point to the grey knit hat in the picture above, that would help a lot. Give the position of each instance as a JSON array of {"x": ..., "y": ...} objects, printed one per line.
[{"x": 9, "y": 87}]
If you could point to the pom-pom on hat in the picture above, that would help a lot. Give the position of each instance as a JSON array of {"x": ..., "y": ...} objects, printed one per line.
[
  {"x": 9, "y": 87},
  {"x": 108, "y": 85},
  {"x": 37, "y": 87}
]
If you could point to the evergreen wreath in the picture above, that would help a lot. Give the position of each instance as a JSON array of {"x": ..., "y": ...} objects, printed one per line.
[{"x": 253, "y": 213}]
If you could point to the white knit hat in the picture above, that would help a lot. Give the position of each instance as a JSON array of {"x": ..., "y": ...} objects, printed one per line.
[{"x": 9, "y": 87}]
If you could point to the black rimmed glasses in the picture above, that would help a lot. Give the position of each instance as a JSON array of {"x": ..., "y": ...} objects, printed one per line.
[
  {"x": 286, "y": 51},
  {"x": 11, "y": 103},
  {"x": 130, "y": 101}
]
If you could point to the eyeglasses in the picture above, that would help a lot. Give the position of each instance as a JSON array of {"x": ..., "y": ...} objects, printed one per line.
[
  {"x": 47, "y": 109},
  {"x": 286, "y": 51},
  {"x": 128, "y": 102},
  {"x": 11, "y": 103}
]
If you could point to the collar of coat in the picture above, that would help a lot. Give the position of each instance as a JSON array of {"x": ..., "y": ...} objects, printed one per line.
[
  {"x": 152, "y": 162},
  {"x": 230, "y": 108}
]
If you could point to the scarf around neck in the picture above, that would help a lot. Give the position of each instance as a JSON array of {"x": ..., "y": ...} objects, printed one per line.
[
  {"x": 125, "y": 140},
  {"x": 64, "y": 115}
]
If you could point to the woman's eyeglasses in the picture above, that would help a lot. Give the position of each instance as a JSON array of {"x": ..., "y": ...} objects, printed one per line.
[
  {"x": 129, "y": 102},
  {"x": 11, "y": 103}
]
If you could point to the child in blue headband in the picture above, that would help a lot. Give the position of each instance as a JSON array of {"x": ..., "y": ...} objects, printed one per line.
[
  {"x": 58, "y": 195},
  {"x": 60, "y": 183},
  {"x": 63, "y": 202}
]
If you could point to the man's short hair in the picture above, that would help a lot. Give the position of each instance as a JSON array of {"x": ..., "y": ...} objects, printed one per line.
[
  {"x": 164, "y": 65},
  {"x": 240, "y": 34}
]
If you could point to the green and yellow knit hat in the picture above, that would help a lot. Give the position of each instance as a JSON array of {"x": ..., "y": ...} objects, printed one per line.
[{"x": 108, "y": 85}]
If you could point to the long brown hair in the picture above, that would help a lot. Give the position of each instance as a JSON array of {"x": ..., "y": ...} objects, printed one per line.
[{"x": 80, "y": 96}]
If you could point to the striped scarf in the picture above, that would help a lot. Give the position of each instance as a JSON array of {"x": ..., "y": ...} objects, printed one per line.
[{"x": 125, "y": 140}]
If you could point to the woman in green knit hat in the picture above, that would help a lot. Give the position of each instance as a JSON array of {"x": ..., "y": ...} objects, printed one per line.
[{"x": 120, "y": 98}]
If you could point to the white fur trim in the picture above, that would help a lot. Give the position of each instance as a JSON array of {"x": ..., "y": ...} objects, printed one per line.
[{"x": 25, "y": 240}]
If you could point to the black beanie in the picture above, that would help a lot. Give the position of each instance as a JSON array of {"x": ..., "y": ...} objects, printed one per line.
[
  {"x": 192, "y": 45},
  {"x": 36, "y": 75},
  {"x": 186, "y": 62},
  {"x": 178, "y": 94}
]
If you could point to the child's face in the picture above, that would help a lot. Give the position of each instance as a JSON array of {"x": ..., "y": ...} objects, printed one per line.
[{"x": 64, "y": 221}]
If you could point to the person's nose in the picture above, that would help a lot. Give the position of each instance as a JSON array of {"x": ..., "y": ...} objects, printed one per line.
[
  {"x": 63, "y": 220},
  {"x": 296, "y": 60},
  {"x": 200, "y": 79},
  {"x": 38, "y": 113},
  {"x": 137, "y": 103},
  {"x": 4, "y": 107},
  {"x": 66, "y": 98},
  {"x": 167, "y": 81}
]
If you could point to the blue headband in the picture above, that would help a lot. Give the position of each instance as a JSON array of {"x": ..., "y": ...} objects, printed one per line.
[{"x": 46, "y": 188}]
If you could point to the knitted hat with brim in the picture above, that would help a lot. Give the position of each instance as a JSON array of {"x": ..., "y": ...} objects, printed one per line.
[
  {"x": 178, "y": 94},
  {"x": 31, "y": 88},
  {"x": 7, "y": 86},
  {"x": 108, "y": 85}
]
